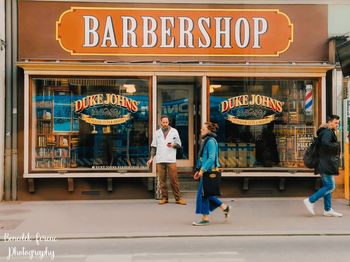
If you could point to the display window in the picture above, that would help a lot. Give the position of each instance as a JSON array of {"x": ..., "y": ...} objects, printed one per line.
[
  {"x": 90, "y": 123},
  {"x": 263, "y": 122}
]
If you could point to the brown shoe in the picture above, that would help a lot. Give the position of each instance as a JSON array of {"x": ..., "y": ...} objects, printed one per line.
[
  {"x": 163, "y": 201},
  {"x": 181, "y": 202}
]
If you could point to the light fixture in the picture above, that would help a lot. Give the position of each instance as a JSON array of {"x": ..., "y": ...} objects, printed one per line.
[
  {"x": 130, "y": 88},
  {"x": 215, "y": 86},
  {"x": 212, "y": 87}
]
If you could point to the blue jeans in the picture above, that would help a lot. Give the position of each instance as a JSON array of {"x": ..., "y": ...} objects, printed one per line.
[
  {"x": 205, "y": 205},
  {"x": 325, "y": 191}
]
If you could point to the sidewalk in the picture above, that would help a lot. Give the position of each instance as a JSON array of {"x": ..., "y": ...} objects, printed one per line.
[{"x": 145, "y": 218}]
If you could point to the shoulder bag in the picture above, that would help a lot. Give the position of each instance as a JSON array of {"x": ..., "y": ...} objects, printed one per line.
[
  {"x": 212, "y": 180},
  {"x": 211, "y": 183}
]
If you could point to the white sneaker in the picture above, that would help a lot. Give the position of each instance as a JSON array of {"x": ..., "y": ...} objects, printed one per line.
[
  {"x": 309, "y": 206},
  {"x": 332, "y": 213}
]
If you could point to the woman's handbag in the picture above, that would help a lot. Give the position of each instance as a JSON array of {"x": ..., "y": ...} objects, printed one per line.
[{"x": 211, "y": 183}]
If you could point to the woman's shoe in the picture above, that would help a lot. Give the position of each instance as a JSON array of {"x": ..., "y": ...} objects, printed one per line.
[
  {"x": 201, "y": 223},
  {"x": 227, "y": 211}
]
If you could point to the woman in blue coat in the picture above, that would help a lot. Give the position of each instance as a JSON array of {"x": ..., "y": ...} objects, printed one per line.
[{"x": 208, "y": 160}]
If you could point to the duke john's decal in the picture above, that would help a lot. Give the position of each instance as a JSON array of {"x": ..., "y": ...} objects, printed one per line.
[
  {"x": 251, "y": 109},
  {"x": 105, "y": 122},
  {"x": 105, "y": 109},
  {"x": 106, "y": 99}
]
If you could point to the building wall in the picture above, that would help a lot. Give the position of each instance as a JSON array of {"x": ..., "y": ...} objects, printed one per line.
[
  {"x": 2, "y": 94},
  {"x": 37, "y": 41},
  {"x": 335, "y": 12}
]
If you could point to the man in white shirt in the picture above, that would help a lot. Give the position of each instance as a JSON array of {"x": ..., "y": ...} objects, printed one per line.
[{"x": 163, "y": 148}]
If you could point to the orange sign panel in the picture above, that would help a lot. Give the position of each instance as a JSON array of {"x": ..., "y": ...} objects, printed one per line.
[{"x": 174, "y": 32}]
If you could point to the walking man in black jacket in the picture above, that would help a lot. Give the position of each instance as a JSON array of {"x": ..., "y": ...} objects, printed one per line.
[{"x": 329, "y": 152}]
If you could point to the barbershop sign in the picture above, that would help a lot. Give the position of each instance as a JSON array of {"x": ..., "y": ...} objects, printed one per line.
[
  {"x": 105, "y": 109},
  {"x": 251, "y": 109},
  {"x": 174, "y": 32}
]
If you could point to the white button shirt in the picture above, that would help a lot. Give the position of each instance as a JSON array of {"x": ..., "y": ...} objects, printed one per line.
[{"x": 165, "y": 154}]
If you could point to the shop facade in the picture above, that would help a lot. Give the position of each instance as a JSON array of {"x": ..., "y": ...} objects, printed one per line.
[{"x": 98, "y": 76}]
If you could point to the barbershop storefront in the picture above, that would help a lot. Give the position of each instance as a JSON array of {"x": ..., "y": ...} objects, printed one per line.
[{"x": 97, "y": 77}]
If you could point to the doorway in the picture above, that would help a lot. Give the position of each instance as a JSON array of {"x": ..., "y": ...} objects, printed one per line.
[{"x": 177, "y": 97}]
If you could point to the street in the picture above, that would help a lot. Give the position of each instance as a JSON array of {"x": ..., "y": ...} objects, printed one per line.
[{"x": 183, "y": 249}]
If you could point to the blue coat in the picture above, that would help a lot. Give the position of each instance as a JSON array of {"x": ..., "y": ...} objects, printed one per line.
[
  {"x": 209, "y": 160},
  {"x": 210, "y": 157}
]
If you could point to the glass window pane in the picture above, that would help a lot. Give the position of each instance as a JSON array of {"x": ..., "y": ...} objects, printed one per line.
[
  {"x": 263, "y": 122},
  {"x": 98, "y": 123},
  {"x": 174, "y": 104}
]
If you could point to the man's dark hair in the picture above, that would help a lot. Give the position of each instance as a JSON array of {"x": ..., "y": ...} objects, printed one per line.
[
  {"x": 164, "y": 116},
  {"x": 332, "y": 117}
]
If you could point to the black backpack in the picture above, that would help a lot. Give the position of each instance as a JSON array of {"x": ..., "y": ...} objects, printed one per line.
[{"x": 311, "y": 156}]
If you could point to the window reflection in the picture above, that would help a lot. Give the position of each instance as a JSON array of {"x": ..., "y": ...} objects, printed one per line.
[
  {"x": 174, "y": 104},
  {"x": 99, "y": 123},
  {"x": 263, "y": 122}
]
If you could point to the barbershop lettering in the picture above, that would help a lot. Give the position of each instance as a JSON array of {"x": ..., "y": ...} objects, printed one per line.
[
  {"x": 252, "y": 100},
  {"x": 228, "y": 32},
  {"x": 152, "y": 31},
  {"x": 105, "y": 100}
]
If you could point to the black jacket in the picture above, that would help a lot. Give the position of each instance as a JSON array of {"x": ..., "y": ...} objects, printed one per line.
[{"x": 329, "y": 152}]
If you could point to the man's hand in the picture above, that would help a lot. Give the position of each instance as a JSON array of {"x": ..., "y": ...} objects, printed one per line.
[{"x": 149, "y": 162}]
